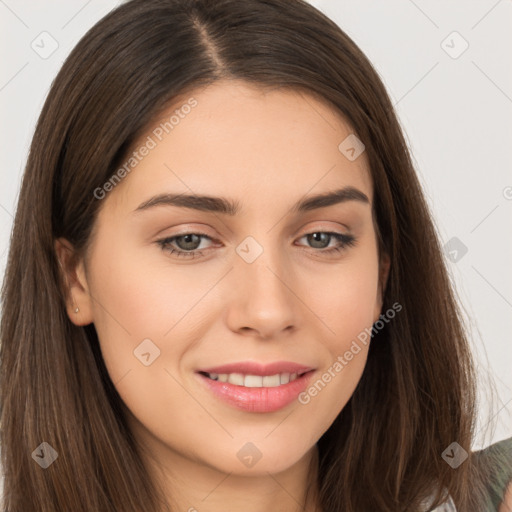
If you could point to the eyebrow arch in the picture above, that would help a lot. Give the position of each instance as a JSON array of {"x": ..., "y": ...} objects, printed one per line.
[{"x": 229, "y": 207}]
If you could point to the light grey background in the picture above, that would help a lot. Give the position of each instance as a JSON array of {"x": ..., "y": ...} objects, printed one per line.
[{"x": 454, "y": 106}]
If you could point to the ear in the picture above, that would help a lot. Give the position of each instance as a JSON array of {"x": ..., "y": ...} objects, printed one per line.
[
  {"x": 384, "y": 266},
  {"x": 75, "y": 283}
]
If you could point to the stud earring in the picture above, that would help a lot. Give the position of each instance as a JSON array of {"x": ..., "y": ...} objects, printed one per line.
[{"x": 77, "y": 310}]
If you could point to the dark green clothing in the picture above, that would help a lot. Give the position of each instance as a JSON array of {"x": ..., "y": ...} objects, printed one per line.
[{"x": 499, "y": 455}]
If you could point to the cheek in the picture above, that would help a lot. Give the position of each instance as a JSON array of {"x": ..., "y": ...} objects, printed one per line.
[
  {"x": 138, "y": 296},
  {"x": 347, "y": 350},
  {"x": 141, "y": 297},
  {"x": 346, "y": 300},
  {"x": 347, "y": 305},
  {"x": 330, "y": 390},
  {"x": 140, "y": 309},
  {"x": 132, "y": 302}
]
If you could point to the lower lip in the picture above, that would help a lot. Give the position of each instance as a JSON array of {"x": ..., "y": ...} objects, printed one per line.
[{"x": 262, "y": 399}]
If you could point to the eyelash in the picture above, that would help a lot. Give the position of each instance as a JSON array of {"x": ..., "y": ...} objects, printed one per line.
[{"x": 346, "y": 241}]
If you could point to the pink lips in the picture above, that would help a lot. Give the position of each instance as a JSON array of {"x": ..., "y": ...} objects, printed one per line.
[{"x": 262, "y": 399}]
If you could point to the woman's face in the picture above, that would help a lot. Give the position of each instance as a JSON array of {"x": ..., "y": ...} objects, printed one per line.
[{"x": 261, "y": 286}]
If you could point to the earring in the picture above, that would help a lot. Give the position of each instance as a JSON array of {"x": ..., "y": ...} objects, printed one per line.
[{"x": 77, "y": 310}]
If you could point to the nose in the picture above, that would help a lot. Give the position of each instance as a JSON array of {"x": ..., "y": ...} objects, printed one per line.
[{"x": 262, "y": 299}]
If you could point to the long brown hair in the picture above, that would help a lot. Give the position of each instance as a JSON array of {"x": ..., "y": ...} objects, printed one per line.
[{"x": 417, "y": 393}]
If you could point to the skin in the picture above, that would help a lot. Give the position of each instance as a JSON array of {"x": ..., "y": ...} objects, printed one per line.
[{"x": 265, "y": 150}]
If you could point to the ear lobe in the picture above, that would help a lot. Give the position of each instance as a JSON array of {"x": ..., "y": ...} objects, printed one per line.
[{"x": 76, "y": 292}]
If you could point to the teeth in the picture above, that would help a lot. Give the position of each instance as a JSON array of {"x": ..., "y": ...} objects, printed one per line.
[
  {"x": 271, "y": 381},
  {"x": 254, "y": 381},
  {"x": 236, "y": 378}
]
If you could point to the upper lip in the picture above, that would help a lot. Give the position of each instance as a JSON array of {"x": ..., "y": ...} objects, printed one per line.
[{"x": 254, "y": 368}]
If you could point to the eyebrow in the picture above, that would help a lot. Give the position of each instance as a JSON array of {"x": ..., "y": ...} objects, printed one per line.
[{"x": 230, "y": 207}]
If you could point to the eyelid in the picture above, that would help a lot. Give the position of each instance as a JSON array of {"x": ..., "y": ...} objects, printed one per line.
[
  {"x": 328, "y": 228},
  {"x": 193, "y": 228}
]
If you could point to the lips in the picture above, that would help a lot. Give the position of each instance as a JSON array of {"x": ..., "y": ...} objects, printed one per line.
[{"x": 257, "y": 387}]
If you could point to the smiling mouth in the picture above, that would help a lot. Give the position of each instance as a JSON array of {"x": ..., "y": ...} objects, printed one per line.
[
  {"x": 255, "y": 381},
  {"x": 257, "y": 393}
]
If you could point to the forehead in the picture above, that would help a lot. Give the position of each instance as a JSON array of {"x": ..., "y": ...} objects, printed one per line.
[{"x": 239, "y": 140}]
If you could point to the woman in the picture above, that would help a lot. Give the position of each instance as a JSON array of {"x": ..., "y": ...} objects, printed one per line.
[{"x": 198, "y": 167}]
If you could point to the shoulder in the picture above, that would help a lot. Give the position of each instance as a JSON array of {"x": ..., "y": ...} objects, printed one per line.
[{"x": 498, "y": 459}]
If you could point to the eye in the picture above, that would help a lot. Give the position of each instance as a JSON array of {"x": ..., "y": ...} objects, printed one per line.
[
  {"x": 189, "y": 243},
  {"x": 320, "y": 237}
]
